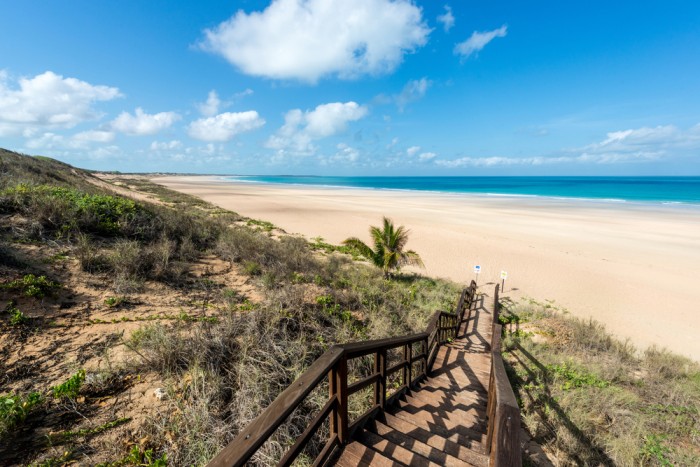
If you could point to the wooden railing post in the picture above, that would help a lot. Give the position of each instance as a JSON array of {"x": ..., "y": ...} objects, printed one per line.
[
  {"x": 341, "y": 382},
  {"x": 380, "y": 385},
  {"x": 496, "y": 304},
  {"x": 408, "y": 369},
  {"x": 333, "y": 394},
  {"x": 425, "y": 359}
]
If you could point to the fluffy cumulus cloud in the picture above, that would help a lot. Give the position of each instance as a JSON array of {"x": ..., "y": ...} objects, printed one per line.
[
  {"x": 447, "y": 19},
  {"x": 47, "y": 101},
  {"x": 309, "y": 39},
  {"x": 426, "y": 156},
  {"x": 478, "y": 41},
  {"x": 141, "y": 123},
  {"x": 225, "y": 126},
  {"x": 644, "y": 144},
  {"x": 300, "y": 128}
]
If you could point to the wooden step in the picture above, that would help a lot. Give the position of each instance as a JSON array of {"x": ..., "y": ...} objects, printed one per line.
[
  {"x": 445, "y": 427},
  {"x": 480, "y": 361},
  {"x": 476, "y": 406},
  {"x": 445, "y": 382},
  {"x": 458, "y": 398},
  {"x": 356, "y": 454},
  {"x": 404, "y": 440},
  {"x": 466, "y": 417},
  {"x": 449, "y": 419},
  {"x": 463, "y": 378},
  {"x": 393, "y": 451},
  {"x": 471, "y": 453}
]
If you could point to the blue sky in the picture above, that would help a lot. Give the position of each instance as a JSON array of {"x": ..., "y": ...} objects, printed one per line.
[{"x": 368, "y": 87}]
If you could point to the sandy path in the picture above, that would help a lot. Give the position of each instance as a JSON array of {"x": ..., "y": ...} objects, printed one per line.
[{"x": 631, "y": 267}]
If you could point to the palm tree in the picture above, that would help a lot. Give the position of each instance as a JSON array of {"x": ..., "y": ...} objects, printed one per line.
[{"x": 389, "y": 243}]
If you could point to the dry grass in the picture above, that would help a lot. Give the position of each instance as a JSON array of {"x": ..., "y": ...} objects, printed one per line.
[{"x": 591, "y": 399}]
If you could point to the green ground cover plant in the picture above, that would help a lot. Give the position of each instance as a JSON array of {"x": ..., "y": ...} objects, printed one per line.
[
  {"x": 32, "y": 286},
  {"x": 70, "y": 388},
  {"x": 14, "y": 409}
]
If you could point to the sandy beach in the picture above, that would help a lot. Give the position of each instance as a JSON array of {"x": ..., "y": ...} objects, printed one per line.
[{"x": 633, "y": 267}]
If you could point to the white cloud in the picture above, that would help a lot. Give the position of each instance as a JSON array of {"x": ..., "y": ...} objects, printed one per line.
[
  {"x": 310, "y": 39},
  {"x": 346, "y": 154},
  {"x": 300, "y": 129},
  {"x": 426, "y": 156},
  {"x": 96, "y": 136},
  {"x": 412, "y": 91},
  {"x": 626, "y": 146},
  {"x": 80, "y": 140},
  {"x": 478, "y": 41},
  {"x": 48, "y": 100},
  {"x": 165, "y": 145},
  {"x": 211, "y": 106},
  {"x": 142, "y": 123},
  {"x": 246, "y": 92},
  {"x": 659, "y": 136},
  {"x": 47, "y": 141},
  {"x": 413, "y": 150},
  {"x": 225, "y": 126},
  {"x": 447, "y": 19}
]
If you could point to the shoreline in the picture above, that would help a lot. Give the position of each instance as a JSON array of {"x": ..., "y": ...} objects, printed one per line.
[
  {"x": 620, "y": 264},
  {"x": 251, "y": 179},
  {"x": 615, "y": 202}
]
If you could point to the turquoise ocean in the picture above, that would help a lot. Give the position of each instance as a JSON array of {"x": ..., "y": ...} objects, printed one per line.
[{"x": 655, "y": 190}]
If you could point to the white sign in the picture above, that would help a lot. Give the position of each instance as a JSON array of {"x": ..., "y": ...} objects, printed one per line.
[
  {"x": 477, "y": 269},
  {"x": 504, "y": 275}
]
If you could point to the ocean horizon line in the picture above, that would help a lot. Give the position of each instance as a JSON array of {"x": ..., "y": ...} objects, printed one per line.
[{"x": 646, "y": 190}]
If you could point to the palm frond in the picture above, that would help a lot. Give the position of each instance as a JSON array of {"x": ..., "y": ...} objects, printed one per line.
[{"x": 360, "y": 246}]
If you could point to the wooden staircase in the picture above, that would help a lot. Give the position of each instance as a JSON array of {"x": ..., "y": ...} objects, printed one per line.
[
  {"x": 450, "y": 404},
  {"x": 442, "y": 421}
]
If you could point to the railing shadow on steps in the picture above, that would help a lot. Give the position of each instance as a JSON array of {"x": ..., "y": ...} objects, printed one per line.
[{"x": 333, "y": 364}]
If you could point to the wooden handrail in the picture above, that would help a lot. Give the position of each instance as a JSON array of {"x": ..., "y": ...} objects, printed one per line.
[
  {"x": 503, "y": 436},
  {"x": 442, "y": 327}
]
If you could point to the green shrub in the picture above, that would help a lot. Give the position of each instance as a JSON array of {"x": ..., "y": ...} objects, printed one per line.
[
  {"x": 33, "y": 286},
  {"x": 113, "y": 302},
  {"x": 70, "y": 388},
  {"x": 14, "y": 409},
  {"x": 17, "y": 318},
  {"x": 252, "y": 268},
  {"x": 68, "y": 210}
]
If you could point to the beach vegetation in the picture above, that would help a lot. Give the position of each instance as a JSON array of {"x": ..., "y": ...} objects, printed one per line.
[
  {"x": 14, "y": 409},
  {"x": 70, "y": 388},
  {"x": 388, "y": 253},
  {"x": 589, "y": 398}
]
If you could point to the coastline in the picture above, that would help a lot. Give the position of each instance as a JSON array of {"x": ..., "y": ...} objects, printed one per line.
[{"x": 627, "y": 265}]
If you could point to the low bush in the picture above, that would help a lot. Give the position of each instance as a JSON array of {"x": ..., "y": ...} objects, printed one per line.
[
  {"x": 32, "y": 286},
  {"x": 70, "y": 388},
  {"x": 14, "y": 409}
]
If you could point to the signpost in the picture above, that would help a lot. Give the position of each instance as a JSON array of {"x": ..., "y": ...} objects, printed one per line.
[
  {"x": 477, "y": 271},
  {"x": 504, "y": 276}
]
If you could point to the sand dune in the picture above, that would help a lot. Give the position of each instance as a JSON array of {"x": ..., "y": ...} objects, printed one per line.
[{"x": 632, "y": 267}]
